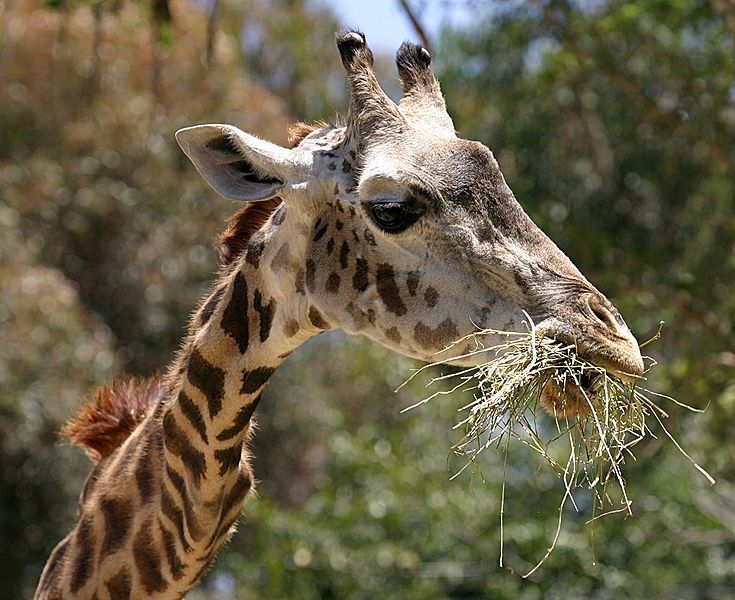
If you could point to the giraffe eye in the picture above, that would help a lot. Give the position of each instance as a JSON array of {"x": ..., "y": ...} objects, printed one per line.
[{"x": 394, "y": 217}]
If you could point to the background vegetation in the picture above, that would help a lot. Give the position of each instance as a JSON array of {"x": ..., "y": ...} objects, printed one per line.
[{"x": 614, "y": 123}]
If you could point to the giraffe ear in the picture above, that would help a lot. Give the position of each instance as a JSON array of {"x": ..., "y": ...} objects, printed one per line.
[{"x": 237, "y": 165}]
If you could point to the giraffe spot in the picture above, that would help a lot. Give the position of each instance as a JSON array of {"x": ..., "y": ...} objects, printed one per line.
[
  {"x": 359, "y": 316},
  {"x": 118, "y": 516},
  {"x": 193, "y": 415},
  {"x": 228, "y": 458},
  {"x": 177, "y": 442},
  {"x": 147, "y": 560},
  {"x": 195, "y": 531},
  {"x": 175, "y": 564},
  {"x": 338, "y": 204},
  {"x": 145, "y": 474},
  {"x": 310, "y": 274},
  {"x": 346, "y": 166},
  {"x": 369, "y": 237},
  {"x": 232, "y": 503},
  {"x": 237, "y": 494},
  {"x": 279, "y": 216},
  {"x": 119, "y": 586},
  {"x": 299, "y": 281},
  {"x": 174, "y": 514},
  {"x": 266, "y": 312},
  {"x": 235, "y": 321},
  {"x": 437, "y": 337},
  {"x": 393, "y": 335},
  {"x": 339, "y": 224},
  {"x": 320, "y": 231},
  {"x": 331, "y": 166},
  {"x": 83, "y": 562},
  {"x": 255, "y": 250},
  {"x": 228, "y": 527},
  {"x": 291, "y": 328},
  {"x": 360, "y": 280},
  {"x": 211, "y": 305},
  {"x": 333, "y": 282},
  {"x": 330, "y": 246},
  {"x": 208, "y": 379},
  {"x": 354, "y": 232},
  {"x": 316, "y": 318},
  {"x": 388, "y": 290},
  {"x": 253, "y": 380},
  {"x": 412, "y": 282},
  {"x": 344, "y": 254},
  {"x": 240, "y": 422},
  {"x": 352, "y": 212},
  {"x": 431, "y": 297}
]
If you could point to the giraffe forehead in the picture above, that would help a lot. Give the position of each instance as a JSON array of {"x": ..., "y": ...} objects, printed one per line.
[
  {"x": 455, "y": 164},
  {"x": 440, "y": 165}
]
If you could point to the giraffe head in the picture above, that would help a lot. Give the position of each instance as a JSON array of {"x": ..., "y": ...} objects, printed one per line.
[{"x": 395, "y": 228}]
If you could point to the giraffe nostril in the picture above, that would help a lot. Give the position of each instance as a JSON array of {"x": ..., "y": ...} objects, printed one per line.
[{"x": 609, "y": 319}]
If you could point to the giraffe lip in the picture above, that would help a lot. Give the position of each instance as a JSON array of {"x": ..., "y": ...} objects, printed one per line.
[{"x": 569, "y": 399}]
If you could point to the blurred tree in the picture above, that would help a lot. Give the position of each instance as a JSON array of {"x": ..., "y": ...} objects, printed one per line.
[
  {"x": 52, "y": 350},
  {"x": 613, "y": 122}
]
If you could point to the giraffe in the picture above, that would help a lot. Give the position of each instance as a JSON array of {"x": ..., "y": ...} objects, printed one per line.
[{"x": 390, "y": 227}]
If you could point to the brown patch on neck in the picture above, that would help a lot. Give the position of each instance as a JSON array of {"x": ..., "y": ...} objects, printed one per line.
[
  {"x": 115, "y": 410},
  {"x": 241, "y": 226}
]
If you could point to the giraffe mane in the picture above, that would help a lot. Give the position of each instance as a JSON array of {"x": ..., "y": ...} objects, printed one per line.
[
  {"x": 115, "y": 409},
  {"x": 241, "y": 225}
]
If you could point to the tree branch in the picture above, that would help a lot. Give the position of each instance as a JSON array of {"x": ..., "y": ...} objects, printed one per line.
[
  {"x": 211, "y": 31},
  {"x": 416, "y": 23},
  {"x": 720, "y": 156}
]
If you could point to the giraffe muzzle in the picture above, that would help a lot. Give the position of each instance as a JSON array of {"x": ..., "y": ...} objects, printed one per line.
[{"x": 598, "y": 333}]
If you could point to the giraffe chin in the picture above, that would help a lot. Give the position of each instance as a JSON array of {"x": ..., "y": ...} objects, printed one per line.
[{"x": 566, "y": 400}]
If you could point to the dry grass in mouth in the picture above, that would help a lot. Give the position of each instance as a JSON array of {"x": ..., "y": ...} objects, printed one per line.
[{"x": 612, "y": 415}]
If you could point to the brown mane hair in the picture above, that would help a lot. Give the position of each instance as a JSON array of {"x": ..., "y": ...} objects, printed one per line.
[
  {"x": 110, "y": 416},
  {"x": 241, "y": 225}
]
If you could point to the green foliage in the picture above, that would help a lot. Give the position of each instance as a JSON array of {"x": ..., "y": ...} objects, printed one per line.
[{"x": 613, "y": 123}]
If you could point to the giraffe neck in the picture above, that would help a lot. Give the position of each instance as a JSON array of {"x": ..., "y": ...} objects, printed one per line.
[
  {"x": 239, "y": 336},
  {"x": 155, "y": 512},
  {"x": 235, "y": 344}
]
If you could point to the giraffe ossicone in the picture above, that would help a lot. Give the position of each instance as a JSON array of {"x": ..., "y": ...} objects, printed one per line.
[{"x": 391, "y": 227}]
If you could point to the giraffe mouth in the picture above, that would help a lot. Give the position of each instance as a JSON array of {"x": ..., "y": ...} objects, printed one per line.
[{"x": 566, "y": 397}]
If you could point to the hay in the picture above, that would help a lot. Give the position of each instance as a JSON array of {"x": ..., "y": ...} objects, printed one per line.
[{"x": 610, "y": 415}]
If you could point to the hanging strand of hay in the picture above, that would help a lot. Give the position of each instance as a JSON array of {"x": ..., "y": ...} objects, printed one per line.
[{"x": 601, "y": 416}]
